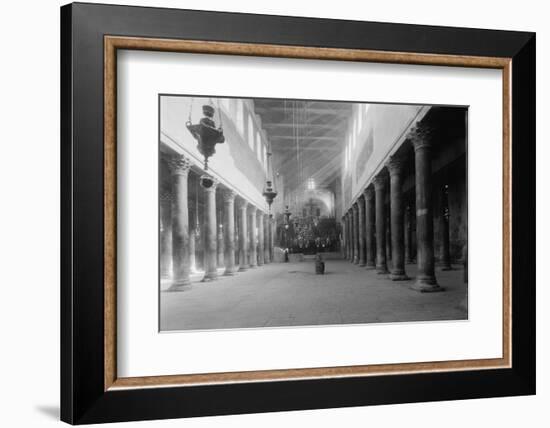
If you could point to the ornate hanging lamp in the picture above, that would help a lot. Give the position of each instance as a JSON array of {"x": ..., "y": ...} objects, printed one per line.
[
  {"x": 269, "y": 192},
  {"x": 207, "y": 135},
  {"x": 287, "y": 215}
]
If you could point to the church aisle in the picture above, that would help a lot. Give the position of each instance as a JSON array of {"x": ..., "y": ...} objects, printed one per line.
[{"x": 291, "y": 294}]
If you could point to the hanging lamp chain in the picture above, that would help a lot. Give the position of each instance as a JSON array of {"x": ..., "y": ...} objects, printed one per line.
[
  {"x": 190, "y": 111},
  {"x": 220, "y": 114}
]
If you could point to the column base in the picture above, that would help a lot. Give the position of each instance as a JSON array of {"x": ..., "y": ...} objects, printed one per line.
[
  {"x": 370, "y": 265},
  {"x": 229, "y": 272},
  {"x": 210, "y": 276},
  {"x": 445, "y": 268},
  {"x": 362, "y": 263},
  {"x": 427, "y": 285},
  {"x": 242, "y": 269},
  {"x": 399, "y": 276},
  {"x": 182, "y": 285},
  {"x": 382, "y": 270},
  {"x": 252, "y": 266}
]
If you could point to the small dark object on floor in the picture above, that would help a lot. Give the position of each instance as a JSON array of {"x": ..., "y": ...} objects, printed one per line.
[{"x": 319, "y": 265}]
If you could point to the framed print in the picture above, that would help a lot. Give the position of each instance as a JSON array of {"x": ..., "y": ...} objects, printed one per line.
[{"x": 265, "y": 213}]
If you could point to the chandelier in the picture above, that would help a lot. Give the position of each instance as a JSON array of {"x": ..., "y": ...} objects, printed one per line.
[
  {"x": 269, "y": 191},
  {"x": 207, "y": 135}
]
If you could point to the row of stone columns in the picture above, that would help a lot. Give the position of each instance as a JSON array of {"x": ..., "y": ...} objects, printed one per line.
[
  {"x": 255, "y": 238},
  {"x": 365, "y": 228}
]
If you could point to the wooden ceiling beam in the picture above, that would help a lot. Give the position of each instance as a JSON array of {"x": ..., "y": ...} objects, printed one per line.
[
  {"x": 290, "y": 125},
  {"x": 343, "y": 112},
  {"x": 306, "y": 137},
  {"x": 289, "y": 149}
]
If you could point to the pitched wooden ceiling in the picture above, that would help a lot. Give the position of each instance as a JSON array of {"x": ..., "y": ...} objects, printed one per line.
[{"x": 307, "y": 138}]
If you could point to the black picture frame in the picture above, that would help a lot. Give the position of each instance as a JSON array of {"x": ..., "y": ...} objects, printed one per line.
[{"x": 83, "y": 398}]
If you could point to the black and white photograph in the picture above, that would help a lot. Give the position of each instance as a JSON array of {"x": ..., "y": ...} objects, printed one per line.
[
  {"x": 279, "y": 212},
  {"x": 244, "y": 214}
]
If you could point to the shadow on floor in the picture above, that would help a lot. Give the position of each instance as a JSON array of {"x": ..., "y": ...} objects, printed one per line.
[{"x": 49, "y": 410}]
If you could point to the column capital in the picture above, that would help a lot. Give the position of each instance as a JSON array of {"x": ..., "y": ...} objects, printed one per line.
[
  {"x": 242, "y": 203},
  {"x": 368, "y": 193},
  {"x": 355, "y": 206},
  {"x": 179, "y": 165},
  {"x": 421, "y": 136},
  {"x": 395, "y": 165},
  {"x": 379, "y": 182},
  {"x": 252, "y": 209},
  {"x": 228, "y": 195}
]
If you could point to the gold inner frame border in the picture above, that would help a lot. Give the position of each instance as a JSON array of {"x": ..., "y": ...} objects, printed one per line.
[{"x": 113, "y": 43}]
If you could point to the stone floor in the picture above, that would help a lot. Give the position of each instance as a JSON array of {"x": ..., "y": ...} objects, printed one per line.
[{"x": 291, "y": 294}]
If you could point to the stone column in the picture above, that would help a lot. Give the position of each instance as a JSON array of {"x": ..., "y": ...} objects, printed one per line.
[
  {"x": 220, "y": 243},
  {"x": 444, "y": 227},
  {"x": 356, "y": 233},
  {"x": 271, "y": 237},
  {"x": 395, "y": 167},
  {"x": 210, "y": 233},
  {"x": 355, "y": 236},
  {"x": 370, "y": 242},
  {"x": 350, "y": 235},
  {"x": 344, "y": 249},
  {"x": 243, "y": 235},
  {"x": 412, "y": 222},
  {"x": 166, "y": 235},
  {"x": 192, "y": 248},
  {"x": 345, "y": 235},
  {"x": 380, "y": 196},
  {"x": 408, "y": 231},
  {"x": 181, "y": 267},
  {"x": 388, "y": 236},
  {"x": 260, "y": 220},
  {"x": 361, "y": 230},
  {"x": 236, "y": 237},
  {"x": 267, "y": 258},
  {"x": 252, "y": 254},
  {"x": 425, "y": 279},
  {"x": 229, "y": 231}
]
